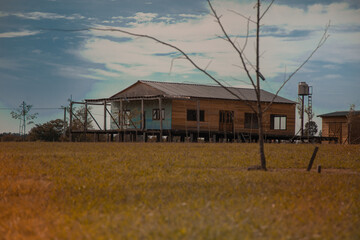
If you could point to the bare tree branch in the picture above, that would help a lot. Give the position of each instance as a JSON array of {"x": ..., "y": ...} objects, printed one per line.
[
  {"x": 241, "y": 15},
  {"x": 243, "y": 48},
  {"x": 320, "y": 43},
  {"x": 208, "y": 64},
  {"x": 241, "y": 67},
  {"x": 243, "y": 81},
  {"x": 250, "y": 63},
  {"x": 172, "y": 62},
  {"x": 225, "y": 39},
  {"x": 233, "y": 45},
  {"x": 247, "y": 35},
  {"x": 262, "y": 54},
  {"x": 245, "y": 44},
  {"x": 267, "y": 9}
]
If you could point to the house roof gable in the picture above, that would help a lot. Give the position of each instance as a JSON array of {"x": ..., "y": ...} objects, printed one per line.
[{"x": 138, "y": 90}]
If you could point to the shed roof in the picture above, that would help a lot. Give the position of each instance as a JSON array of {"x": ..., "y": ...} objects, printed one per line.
[
  {"x": 178, "y": 90},
  {"x": 338, "y": 114}
]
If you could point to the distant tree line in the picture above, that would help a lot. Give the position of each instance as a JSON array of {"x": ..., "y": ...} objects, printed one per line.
[
  {"x": 52, "y": 131},
  {"x": 10, "y": 137}
]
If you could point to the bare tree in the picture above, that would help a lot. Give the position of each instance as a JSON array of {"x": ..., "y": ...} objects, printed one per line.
[{"x": 246, "y": 64}]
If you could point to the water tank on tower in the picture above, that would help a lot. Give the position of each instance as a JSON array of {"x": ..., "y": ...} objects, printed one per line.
[{"x": 303, "y": 89}]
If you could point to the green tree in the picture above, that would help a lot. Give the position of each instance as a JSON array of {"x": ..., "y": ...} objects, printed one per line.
[
  {"x": 50, "y": 131},
  {"x": 311, "y": 128}
]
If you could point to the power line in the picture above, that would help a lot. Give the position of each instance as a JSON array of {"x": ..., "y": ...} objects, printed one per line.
[{"x": 45, "y": 108}]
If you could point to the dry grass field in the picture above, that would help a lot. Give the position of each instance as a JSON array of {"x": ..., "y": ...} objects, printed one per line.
[{"x": 177, "y": 191}]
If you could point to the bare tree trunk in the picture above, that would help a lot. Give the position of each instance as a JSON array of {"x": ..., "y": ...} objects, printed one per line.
[
  {"x": 258, "y": 92},
  {"x": 261, "y": 140}
]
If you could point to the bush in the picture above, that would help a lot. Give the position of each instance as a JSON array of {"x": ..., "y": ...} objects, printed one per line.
[{"x": 51, "y": 131}]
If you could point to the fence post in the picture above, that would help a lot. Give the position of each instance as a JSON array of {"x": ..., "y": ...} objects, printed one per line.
[{"x": 312, "y": 158}]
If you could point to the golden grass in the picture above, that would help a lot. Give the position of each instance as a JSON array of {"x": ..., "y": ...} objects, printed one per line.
[{"x": 177, "y": 191}]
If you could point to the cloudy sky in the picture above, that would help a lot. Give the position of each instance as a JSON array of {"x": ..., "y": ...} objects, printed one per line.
[{"x": 45, "y": 67}]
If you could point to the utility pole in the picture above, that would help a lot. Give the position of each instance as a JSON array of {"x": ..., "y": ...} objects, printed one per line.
[
  {"x": 70, "y": 120},
  {"x": 24, "y": 114},
  {"x": 64, "y": 124}
]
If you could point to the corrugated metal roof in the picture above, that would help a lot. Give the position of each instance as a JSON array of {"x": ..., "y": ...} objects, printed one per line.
[
  {"x": 208, "y": 91},
  {"x": 338, "y": 114}
]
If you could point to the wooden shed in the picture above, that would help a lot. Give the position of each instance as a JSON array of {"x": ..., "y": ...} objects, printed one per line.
[
  {"x": 179, "y": 110},
  {"x": 344, "y": 125}
]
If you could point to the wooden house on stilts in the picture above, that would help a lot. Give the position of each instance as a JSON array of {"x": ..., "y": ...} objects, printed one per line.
[{"x": 191, "y": 112}]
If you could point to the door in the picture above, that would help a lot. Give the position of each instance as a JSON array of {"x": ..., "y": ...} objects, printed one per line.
[
  {"x": 226, "y": 121},
  {"x": 335, "y": 130}
]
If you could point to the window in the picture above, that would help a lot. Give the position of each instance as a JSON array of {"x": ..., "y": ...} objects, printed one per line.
[
  {"x": 156, "y": 114},
  {"x": 192, "y": 115},
  {"x": 278, "y": 122},
  {"x": 251, "y": 121}
]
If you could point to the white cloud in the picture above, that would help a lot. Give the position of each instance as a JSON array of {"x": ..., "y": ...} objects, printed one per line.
[
  {"x": 166, "y": 19},
  {"x": 18, "y": 34},
  {"x": 144, "y": 17},
  {"x": 190, "y": 16},
  {"x": 197, "y": 35},
  {"x": 118, "y": 18},
  {"x": 104, "y": 74},
  {"x": 36, "y": 51},
  {"x": 42, "y": 15},
  {"x": 4, "y": 14}
]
